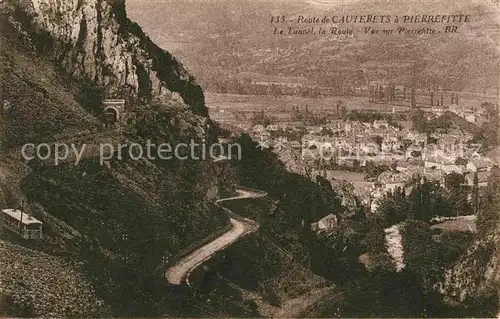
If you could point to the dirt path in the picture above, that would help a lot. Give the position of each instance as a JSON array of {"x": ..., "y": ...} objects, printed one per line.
[
  {"x": 241, "y": 226},
  {"x": 395, "y": 245}
]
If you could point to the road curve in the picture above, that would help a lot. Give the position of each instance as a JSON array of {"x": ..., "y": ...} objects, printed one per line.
[{"x": 241, "y": 226}]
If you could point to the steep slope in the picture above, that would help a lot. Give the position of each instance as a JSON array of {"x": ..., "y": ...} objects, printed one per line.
[
  {"x": 475, "y": 279},
  {"x": 60, "y": 291},
  {"x": 38, "y": 102}
]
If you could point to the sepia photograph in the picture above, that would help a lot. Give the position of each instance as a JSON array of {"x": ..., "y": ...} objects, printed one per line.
[{"x": 249, "y": 159}]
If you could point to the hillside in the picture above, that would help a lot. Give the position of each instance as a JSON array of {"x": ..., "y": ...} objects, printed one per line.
[
  {"x": 110, "y": 229},
  {"x": 125, "y": 220},
  {"x": 227, "y": 38},
  {"x": 476, "y": 275}
]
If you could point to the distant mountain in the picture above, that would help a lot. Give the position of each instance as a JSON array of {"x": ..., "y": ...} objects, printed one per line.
[{"x": 215, "y": 38}]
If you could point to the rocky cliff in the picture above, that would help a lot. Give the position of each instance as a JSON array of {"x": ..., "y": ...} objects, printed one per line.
[
  {"x": 94, "y": 40},
  {"x": 475, "y": 278}
]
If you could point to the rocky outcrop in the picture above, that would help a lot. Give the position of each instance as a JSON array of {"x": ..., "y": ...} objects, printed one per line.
[
  {"x": 94, "y": 40},
  {"x": 476, "y": 274}
]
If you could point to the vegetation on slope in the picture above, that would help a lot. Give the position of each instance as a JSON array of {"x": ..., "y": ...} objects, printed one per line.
[
  {"x": 127, "y": 221},
  {"x": 34, "y": 284}
]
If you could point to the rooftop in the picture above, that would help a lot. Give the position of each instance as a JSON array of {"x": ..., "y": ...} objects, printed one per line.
[
  {"x": 390, "y": 177},
  {"x": 16, "y": 214}
]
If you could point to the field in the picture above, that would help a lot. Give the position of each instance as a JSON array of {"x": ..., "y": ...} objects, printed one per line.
[
  {"x": 346, "y": 176},
  {"x": 36, "y": 284},
  {"x": 456, "y": 225}
]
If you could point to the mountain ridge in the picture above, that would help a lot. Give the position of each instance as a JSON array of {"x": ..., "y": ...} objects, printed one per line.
[{"x": 94, "y": 40}]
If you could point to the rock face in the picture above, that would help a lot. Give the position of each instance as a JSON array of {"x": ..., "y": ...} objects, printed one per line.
[
  {"x": 94, "y": 40},
  {"x": 477, "y": 273}
]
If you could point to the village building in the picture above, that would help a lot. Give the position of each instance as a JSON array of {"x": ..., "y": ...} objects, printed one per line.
[
  {"x": 258, "y": 128},
  {"x": 445, "y": 164},
  {"x": 272, "y": 128},
  {"x": 392, "y": 180},
  {"x": 380, "y": 124},
  {"x": 295, "y": 144},
  {"x": 402, "y": 166}
]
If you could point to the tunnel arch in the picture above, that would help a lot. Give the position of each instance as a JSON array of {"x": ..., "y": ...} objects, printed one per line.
[{"x": 112, "y": 114}]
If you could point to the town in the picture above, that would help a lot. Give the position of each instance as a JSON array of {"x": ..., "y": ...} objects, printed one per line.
[{"x": 424, "y": 133}]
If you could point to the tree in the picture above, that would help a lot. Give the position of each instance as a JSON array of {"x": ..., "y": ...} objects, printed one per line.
[
  {"x": 454, "y": 183},
  {"x": 420, "y": 122},
  {"x": 383, "y": 293},
  {"x": 378, "y": 140},
  {"x": 475, "y": 193},
  {"x": 488, "y": 216},
  {"x": 260, "y": 118},
  {"x": 336, "y": 257},
  {"x": 453, "y": 244},
  {"x": 3, "y": 127},
  {"x": 375, "y": 239},
  {"x": 489, "y": 132},
  {"x": 393, "y": 207},
  {"x": 343, "y": 112},
  {"x": 425, "y": 201},
  {"x": 374, "y": 170},
  {"x": 340, "y": 105},
  {"x": 421, "y": 253}
]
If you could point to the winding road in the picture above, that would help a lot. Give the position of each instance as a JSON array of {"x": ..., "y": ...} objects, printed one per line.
[{"x": 241, "y": 226}]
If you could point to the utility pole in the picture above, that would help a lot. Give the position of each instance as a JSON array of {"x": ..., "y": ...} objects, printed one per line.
[{"x": 21, "y": 209}]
